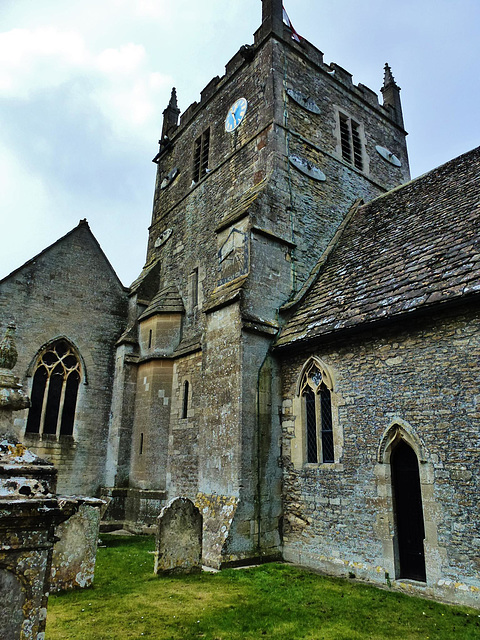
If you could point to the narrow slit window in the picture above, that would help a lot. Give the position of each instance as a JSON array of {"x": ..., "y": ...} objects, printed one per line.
[
  {"x": 150, "y": 334},
  {"x": 185, "y": 399},
  {"x": 195, "y": 288},
  {"x": 54, "y": 391},
  {"x": 141, "y": 444}
]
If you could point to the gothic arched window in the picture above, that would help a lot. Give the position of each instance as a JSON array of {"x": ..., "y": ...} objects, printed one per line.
[
  {"x": 315, "y": 390},
  {"x": 54, "y": 391}
]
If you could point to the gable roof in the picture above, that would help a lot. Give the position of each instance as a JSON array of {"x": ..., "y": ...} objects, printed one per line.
[
  {"x": 412, "y": 248},
  {"x": 82, "y": 227}
]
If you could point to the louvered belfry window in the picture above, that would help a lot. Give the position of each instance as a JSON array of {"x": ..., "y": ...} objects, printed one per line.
[
  {"x": 200, "y": 155},
  {"x": 54, "y": 391},
  {"x": 319, "y": 437},
  {"x": 351, "y": 142}
]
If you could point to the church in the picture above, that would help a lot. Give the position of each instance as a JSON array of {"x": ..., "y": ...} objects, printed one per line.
[{"x": 300, "y": 353}]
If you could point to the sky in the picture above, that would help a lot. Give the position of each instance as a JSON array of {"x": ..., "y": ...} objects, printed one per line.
[{"x": 83, "y": 85}]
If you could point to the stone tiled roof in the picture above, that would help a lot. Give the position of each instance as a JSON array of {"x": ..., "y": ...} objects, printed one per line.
[
  {"x": 225, "y": 294},
  {"x": 415, "y": 247},
  {"x": 167, "y": 300}
]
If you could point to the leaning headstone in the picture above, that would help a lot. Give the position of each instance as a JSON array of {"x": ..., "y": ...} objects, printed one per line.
[
  {"x": 73, "y": 561},
  {"x": 178, "y": 547}
]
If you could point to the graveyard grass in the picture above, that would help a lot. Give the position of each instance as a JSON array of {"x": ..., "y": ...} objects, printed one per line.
[{"x": 270, "y": 601}]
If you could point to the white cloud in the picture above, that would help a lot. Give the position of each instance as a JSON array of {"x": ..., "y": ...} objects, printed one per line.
[
  {"x": 23, "y": 196},
  {"x": 123, "y": 86},
  {"x": 151, "y": 8},
  {"x": 125, "y": 60},
  {"x": 42, "y": 57}
]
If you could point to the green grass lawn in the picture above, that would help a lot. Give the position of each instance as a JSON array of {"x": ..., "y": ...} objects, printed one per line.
[{"x": 275, "y": 601}]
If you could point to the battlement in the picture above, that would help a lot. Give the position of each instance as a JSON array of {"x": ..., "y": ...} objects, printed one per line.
[{"x": 306, "y": 50}]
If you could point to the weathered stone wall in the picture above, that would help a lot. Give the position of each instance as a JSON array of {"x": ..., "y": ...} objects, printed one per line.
[
  {"x": 182, "y": 470},
  {"x": 69, "y": 291},
  {"x": 423, "y": 376},
  {"x": 317, "y": 208},
  {"x": 247, "y": 233},
  {"x": 193, "y": 211},
  {"x": 151, "y": 426}
]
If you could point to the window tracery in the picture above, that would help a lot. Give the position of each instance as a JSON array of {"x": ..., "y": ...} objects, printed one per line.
[
  {"x": 54, "y": 390},
  {"x": 315, "y": 390}
]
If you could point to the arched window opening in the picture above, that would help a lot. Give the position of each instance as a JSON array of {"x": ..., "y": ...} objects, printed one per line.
[
  {"x": 318, "y": 415},
  {"x": 185, "y": 399},
  {"x": 54, "y": 391}
]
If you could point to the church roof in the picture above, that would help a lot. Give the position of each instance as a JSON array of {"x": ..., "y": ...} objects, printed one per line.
[
  {"x": 168, "y": 300},
  {"x": 415, "y": 247},
  {"x": 82, "y": 230}
]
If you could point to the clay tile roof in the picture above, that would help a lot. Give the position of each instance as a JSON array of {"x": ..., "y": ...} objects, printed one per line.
[
  {"x": 414, "y": 247},
  {"x": 167, "y": 300}
]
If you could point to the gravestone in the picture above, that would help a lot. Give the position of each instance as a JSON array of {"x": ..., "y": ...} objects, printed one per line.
[
  {"x": 74, "y": 553},
  {"x": 178, "y": 545}
]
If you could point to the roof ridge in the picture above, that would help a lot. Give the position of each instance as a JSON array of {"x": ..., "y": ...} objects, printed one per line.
[
  {"x": 422, "y": 176},
  {"x": 82, "y": 223}
]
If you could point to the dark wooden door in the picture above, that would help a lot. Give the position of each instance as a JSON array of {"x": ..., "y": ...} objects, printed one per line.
[{"x": 407, "y": 501}]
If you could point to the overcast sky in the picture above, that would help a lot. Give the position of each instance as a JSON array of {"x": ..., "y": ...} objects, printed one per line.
[{"x": 83, "y": 84}]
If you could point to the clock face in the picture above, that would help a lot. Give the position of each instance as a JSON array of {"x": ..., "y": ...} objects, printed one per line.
[{"x": 236, "y": 114}]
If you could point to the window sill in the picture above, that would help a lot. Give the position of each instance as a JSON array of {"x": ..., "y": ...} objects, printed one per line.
[
  {"x": 48, "y": 438},
  {"x": 324, "y": 466}
]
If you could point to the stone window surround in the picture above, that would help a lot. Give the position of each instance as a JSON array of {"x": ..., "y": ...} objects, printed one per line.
[
  {"x": 201, "y": 155},
  {"x": 341, "y": 114},
  {"x": 185, "y": 380},
  {"x": 298, "y": 442},
  {"x": 31, "y": 370},
  {"x": 195, "y": 295}
]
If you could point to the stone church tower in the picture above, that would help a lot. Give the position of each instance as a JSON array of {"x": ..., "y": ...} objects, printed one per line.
[{"x": 252, "y": 184}]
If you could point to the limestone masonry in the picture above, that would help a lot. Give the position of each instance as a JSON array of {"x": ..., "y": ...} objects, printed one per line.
[{"x": 299, "y": 356}]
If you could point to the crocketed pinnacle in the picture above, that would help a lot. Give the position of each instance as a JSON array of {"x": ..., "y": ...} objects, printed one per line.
[
  {"x": 173, "y": 105},
  {"x": 388, "y": 78}
]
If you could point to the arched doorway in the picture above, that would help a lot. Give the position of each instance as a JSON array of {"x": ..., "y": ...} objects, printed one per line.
[{"x": 408, "y": 513}]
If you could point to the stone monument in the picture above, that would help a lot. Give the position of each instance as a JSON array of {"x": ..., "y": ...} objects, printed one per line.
[
  {"x": 29, "y": 513},
  {"x": 178, "y": 545}
]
